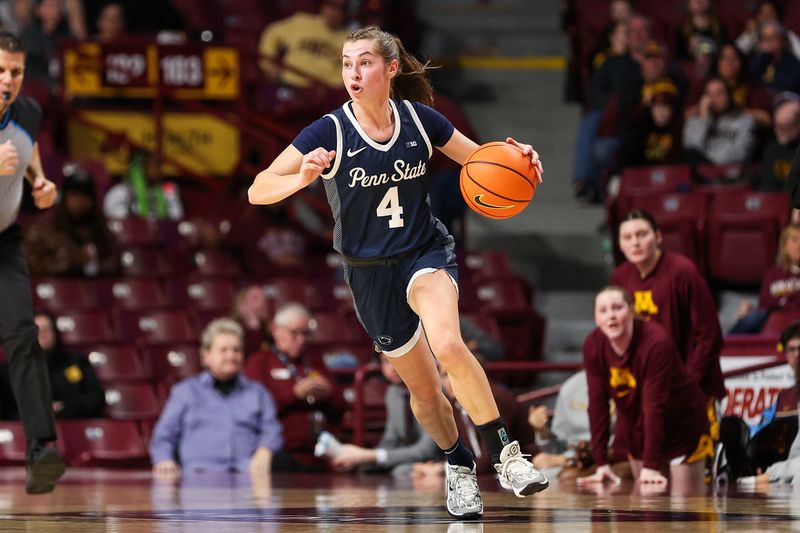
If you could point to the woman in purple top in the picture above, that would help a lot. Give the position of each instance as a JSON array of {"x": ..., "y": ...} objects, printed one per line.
[{"x": 217, "y": 420}]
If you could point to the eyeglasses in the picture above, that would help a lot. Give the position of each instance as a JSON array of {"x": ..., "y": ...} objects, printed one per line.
[
  {"x": 792, "y": 349},
  {"x": 298, "y": 332}
]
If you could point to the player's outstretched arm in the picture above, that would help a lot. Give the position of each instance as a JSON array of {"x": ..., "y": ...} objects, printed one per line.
[
  {"x": 460, "y": 146},
  {"x": 290, "y": 172}
]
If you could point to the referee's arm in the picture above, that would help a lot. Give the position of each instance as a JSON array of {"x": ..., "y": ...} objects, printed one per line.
[
  {"x": 794, "y": 181},
  {"x": 44, "y": 191}
]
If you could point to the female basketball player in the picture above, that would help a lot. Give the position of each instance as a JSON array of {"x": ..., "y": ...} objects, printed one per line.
[
  {"x": 668, "y": 289},
  {"x": 372, "y": 155},
  {"x": 660, "y": 410}
]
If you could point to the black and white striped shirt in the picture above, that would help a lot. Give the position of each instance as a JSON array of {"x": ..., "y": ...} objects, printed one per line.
[{"x": 20, "y": 124}]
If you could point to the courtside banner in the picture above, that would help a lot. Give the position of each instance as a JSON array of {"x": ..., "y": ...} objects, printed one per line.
[
  {"x": 749, "y": 394},
  {"x": 201, "y": 143}
]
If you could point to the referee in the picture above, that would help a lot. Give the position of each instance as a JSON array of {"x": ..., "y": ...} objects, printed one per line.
[{"x": 20, "y": 118}]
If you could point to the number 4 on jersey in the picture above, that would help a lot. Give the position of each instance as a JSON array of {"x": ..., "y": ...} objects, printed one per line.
[{"x": 390, "y": 207}]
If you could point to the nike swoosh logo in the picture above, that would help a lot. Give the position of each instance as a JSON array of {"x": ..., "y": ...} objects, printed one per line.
[
  {"x": 351, "y": 153},
  {"x": 479, "y": 200}
]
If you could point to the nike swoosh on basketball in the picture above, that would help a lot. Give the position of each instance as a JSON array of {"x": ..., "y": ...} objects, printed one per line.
[
  {"x": 351, "y": 153},
  {"x": 479, "y": 200}
]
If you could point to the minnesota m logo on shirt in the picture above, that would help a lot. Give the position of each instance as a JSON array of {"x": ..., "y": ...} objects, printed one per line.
[
  {"x": 644, "y": 304},
  {"x": 621, "y": 380}
]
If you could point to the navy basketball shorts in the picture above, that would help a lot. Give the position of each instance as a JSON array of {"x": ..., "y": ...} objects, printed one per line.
[{"x": 380, "y": 293}]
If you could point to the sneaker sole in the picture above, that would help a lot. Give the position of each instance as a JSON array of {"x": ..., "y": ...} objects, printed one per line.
[
  {"x": 43, "y": 475},
  {"x": 466, "y": 516},
  {"x": 533, "y": 488}
]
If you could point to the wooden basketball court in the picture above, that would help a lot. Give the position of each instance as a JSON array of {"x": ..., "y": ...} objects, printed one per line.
[{"x": 106, "y": 500}]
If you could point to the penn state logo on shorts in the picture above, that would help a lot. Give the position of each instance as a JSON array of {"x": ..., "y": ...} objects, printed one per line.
[{"x": 386, "y": 340}]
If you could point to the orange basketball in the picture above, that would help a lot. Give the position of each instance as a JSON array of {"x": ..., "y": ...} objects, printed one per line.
[{"x": 498, "y": 180}]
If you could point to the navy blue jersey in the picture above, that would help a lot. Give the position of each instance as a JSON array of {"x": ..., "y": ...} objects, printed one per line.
[{"x": 378, "y": 192}]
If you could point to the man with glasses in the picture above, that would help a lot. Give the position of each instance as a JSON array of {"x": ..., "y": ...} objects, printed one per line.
[{"x": 305, "y": 392}]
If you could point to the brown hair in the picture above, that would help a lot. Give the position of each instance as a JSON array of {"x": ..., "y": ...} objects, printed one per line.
[
  {"x": 626, "y": 295},
  {"x": 411, "y": 82},
  {"x": 782, "y": 259}
]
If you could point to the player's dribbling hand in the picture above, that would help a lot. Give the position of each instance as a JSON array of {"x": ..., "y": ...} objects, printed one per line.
[
  {"x": 528, "y": 150},
  {"x": 9, "y": 159},
  {"x": 314, "y": 163},
  {"x": 44, "y": 192},
  {"x": 601, "y": 474}
]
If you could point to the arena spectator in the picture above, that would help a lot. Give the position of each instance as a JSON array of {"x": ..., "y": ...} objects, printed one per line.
[
  {"x": 42, "y": 36},
  {"x": 780, "y": 287},
  {"x": 15, "y": 15},
  {"x": 72, "y": 239},
  {"x": 766, "y": 11},
  {"x": 218, "y": 420},
  {"x": 613, "y": 91},
  {"x": 780, "y": 149},
  {"x": 668, "y": 290},
  {"x": 111, "y": 27},
  {"x": 143, "y": 192},
  {"x": 306, "y": 394},
  {"x": 404, "y": 441},
  {"x": 251, "y": 309},
  {"x": 773, "y": 63},
  {"x": 720, "y": 132},
  {"x": 77, "y": 392},
  {"x": 661, "y": 412},
  {"x": 310, "y": 45},
  {"x": 620, "y": 11},
  {"x": 702, "y": 23},
  {"x": 654, "y": 136},
  {"x": 483, "y": 345},
  {"x": 731, "y": 66}
]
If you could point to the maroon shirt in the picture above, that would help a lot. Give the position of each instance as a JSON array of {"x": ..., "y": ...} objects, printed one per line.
[
  {"x": 786, "y": 402},
  {"x": 661, "y": 411},
  {"x": 515, "y": 417},
  {"x": 296, "y": 415},
  {"x": 676, "y": 296},
  {"x": 780, "y": 289}
]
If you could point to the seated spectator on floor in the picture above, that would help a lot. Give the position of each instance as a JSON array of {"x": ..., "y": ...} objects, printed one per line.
[
  {"x": 72, "y": 239},
  {"x": 404, "y": 441},
  {"x": 218, "y": 420},
  {"x": 251, "y": 310},
  {"x": 513, "y": 413},
  {"x": 702, "y": 23},
  {"x": 766, "y": 11},
  {"x": 760, "y": 457},
  {"x": 780, "y": 149},
  {"x": 661, "y": 411},
  {"x": 720, "y": 132},
  {"x": 143, "y": 192},
  {"x": 306, "y": 394},
  {"x": 780, "y": 287},
  {"x": 76, "y": 391},
  {"x": 773, "y": 63},
  {"x": 482, "y": 345}
]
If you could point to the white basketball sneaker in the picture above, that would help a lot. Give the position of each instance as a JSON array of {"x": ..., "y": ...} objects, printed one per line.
[
  {"x": 516, "y": 473},
  {"x": 463, "y": 496}
]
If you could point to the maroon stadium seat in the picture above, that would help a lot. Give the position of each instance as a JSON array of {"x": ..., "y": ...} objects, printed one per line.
[
  {"x": 105, "y": 443},
  {"x": 84, "y": 327},
  {"x": 62, "y": 293},
  {"x": 118, "y": 362},
  {"x": 133, "y": 293},
  {"x": 172, "y": 362},
  {"x": 154, "y": 326},
  {"x": 486, "y": 265},
  {"x": 146, "y": 262},
  {"x": 135, "y": 232},
  {"x": 778, "y": 321},
  {"x": 682, "y": 219},
  {"x": 131, "y": 401},
  {"x": 743, "y": 234},
  {"x": 300, "y": 290},
  {"x": 203, "y": 293},
  {"x": 12, "y": 443},
  {"x": 333, "y": 327}
]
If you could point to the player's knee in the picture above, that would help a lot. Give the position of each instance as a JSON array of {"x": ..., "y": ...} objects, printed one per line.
[
  {"x": 448, "y": 349},
  {"x": 426, "y": 398}
]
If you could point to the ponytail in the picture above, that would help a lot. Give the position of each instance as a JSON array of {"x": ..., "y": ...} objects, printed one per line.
[{"x": 411, "y": 82}]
